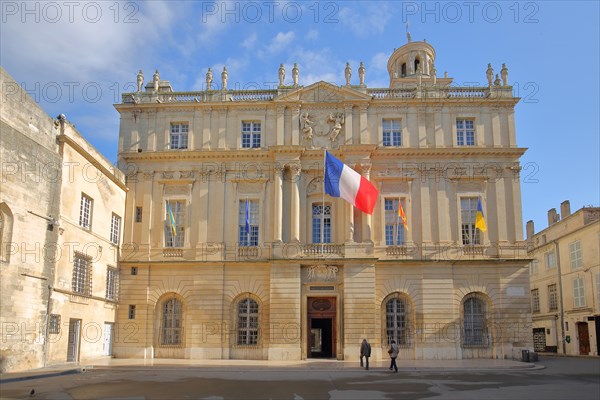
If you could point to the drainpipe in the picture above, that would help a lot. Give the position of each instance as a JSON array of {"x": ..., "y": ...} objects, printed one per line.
[{"x": 560, "y": 298}]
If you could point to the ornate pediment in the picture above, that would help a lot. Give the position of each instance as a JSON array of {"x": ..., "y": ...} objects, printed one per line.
[{"x": 323, "y": 92}]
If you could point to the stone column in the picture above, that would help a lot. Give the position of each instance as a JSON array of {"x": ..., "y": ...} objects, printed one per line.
[
  {"x": 277, "y": 206},
  {"x": 363, "y": 131},
  {"x": 295, "y": 125},
  {"x": 348, "y": 124},
  {"x": 349, "y": 222},
  {"x": 295, "y": 170},
  {"x": 280, "y": 125},
  {"x": 365, "y": 171}
]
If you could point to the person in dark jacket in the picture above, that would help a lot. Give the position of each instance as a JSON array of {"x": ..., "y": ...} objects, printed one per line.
[
  {"x": 393, "y": 351},
  {"x": 365, "y": 351}
]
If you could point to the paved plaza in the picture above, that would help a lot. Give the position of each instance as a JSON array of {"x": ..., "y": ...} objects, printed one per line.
[{"x": 550, "y": 378}]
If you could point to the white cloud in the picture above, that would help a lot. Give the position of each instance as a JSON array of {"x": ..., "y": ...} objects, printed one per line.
[
  {"x": 280, "y": 42},
  {"x": 366, "y": 20},
  {"x": 312, "y": 34},
  {"x": 249, "y": 42}
]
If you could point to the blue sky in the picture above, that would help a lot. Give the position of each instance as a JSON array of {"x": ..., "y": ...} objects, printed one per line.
[{"x": 77, "y": 58}]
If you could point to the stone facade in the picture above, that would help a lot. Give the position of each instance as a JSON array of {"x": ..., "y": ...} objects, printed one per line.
[
  {"x": 565, "y": 281},
  {"x": 55, "y": 304},
  {"x": 30, "y": 183},
  {"x": 223, "y": 254}
]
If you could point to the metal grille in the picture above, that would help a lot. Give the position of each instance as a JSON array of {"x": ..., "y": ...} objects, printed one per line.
[
  {"x": 82, "y": 275},
  {"x": 172, "y": 323},
  {"x": 396, "y": 314},
  {"x": 247, "y": 322},
  {"x": 112, "y": 287},
  {"x": 474, "y": 328}
]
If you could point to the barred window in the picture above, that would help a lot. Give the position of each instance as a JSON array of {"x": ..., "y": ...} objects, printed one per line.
[
  {"x": 54, "y": 324},
  {"x": 396, "y": 321},
  {"x": 85, "y": 211},
  {"x": 247, "y": 322},
  {"x": 535, "y": 300},
  {"x": 172, "y": 322},
  {"x": 321, "y": 217},
  {"x": 131, "y": 313},
  {"x": 138, "y": 214},
  {"x": 474, "y": 322},
  {"x": 82, "y": 275},
  {"x": 112, "y": 278},
  {"x": 248, "y": 223}
]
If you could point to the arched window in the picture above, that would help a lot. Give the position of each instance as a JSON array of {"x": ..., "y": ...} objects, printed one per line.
[
  {"x": 474, "y": 323},
  {"x": 417, "y": 65},
  {"x": 172, "y": 322},
  {"x": 396, "y": 321},
  {"x": 247, "y": 322},
  {"x": 403, "y": 70}
]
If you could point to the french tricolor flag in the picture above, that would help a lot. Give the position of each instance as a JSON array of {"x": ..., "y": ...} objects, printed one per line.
[{"x": 342, "y": 181}]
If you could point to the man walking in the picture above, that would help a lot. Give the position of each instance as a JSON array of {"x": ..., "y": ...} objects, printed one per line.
[
  {"x": 393, "y": 351},
  {"x": 365, "y": 351}
]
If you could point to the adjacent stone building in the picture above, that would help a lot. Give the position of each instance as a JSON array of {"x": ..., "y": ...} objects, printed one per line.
[
  {"x": 565, "y": 281},
  {"x": 61, "y": 210},
  {"x": 231, "y": 250}
]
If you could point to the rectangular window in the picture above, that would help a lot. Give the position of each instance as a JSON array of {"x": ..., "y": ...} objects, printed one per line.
[
  {"x": 111, "y": 283},
  {"x": 250, "y": 135},
  {"x": 133, "y": 271},
  {"x": 392, "y": 133},
  {"x": 550, "y": 258},
  {"x": 468, "y": 211},
  {"x": 54, "y": 324},
  {"x": 174, "y": 223},
  {"x": 552, "y": 297},
  {"x": 533, "y": 267},
  {"x": 575, "y": 255},
  {"x": 179, "y": 136},
  {"x": 82, "y": 275},
  {"x": 535, "y": 300},
  {"x": 138, "y": 214},
  {"x": 465, "y": 132},
  {"x": 394, "y": 228},
  {"x": 578, "y": 293},
  {"x": 85, "y": 212},
  {"x": 115, "y": 228},
  {"x": 131, "y": 314},
  {"x": 321, "y": 218},
  {"x": 248, "y": 224}
]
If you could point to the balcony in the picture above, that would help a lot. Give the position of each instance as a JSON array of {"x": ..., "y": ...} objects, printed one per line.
[{"x": 324, "y": 249}]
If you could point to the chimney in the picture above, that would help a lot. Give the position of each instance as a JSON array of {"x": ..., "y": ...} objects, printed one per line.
[
  {"x": 530, "y": 230},
  {"x": 552, "y": 216},
  {"x": 565, "y": 209}
]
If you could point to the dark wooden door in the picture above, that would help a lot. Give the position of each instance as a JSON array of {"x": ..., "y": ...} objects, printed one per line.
[{"x": 583, "y": 335}]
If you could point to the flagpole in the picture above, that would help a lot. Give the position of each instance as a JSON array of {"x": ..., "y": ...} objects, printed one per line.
[
  {"x": 397, "y": 222},
  {"x": 323, "y": 203}
]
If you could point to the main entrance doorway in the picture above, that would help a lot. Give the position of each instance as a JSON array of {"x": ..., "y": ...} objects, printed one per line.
[{"x": 322, "y": 332}]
